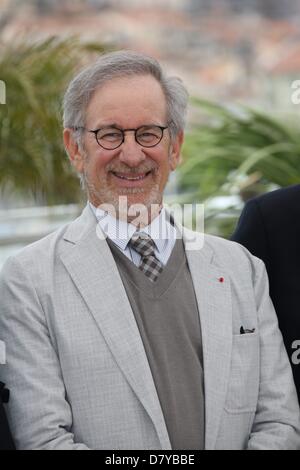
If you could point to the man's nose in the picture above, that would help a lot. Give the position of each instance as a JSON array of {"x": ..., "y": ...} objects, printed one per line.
[{"x": 131, "y": 152}]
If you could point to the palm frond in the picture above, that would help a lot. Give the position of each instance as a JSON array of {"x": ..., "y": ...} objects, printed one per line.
[{"x": 32, "y": 157}]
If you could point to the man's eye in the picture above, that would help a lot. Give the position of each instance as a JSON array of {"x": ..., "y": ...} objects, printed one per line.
[
  {"x": 147, "y": 136},
  {"x": 111, "y": 136}
]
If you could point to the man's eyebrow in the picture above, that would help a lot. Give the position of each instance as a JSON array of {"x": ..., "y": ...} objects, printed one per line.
[
  {"x": 116, "y": 125},
  {"x": 106, "y": 126}
]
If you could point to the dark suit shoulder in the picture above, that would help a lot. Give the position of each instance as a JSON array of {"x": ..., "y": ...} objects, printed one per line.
[{"x": 284, "y": 197}]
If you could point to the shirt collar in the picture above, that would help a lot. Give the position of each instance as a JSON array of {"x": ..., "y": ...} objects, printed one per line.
[{"x": 120, "y": 232}]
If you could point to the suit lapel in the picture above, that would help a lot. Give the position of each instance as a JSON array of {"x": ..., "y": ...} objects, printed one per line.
[
  {"x": 214, "y": 302},
  {"x": 92, "y": 267}
]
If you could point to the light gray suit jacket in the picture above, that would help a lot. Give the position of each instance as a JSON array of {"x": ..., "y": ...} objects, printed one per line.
[{"x": 77, "y": 368}]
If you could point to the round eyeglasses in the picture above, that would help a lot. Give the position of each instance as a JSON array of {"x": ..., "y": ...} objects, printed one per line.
[{"x": 111, "y": 138}]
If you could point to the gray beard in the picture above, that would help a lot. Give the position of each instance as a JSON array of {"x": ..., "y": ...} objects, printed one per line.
[{"x": 151, "y": 205}]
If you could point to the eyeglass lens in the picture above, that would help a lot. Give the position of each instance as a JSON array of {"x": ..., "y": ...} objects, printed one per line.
[{"x": 147, "y": 136}]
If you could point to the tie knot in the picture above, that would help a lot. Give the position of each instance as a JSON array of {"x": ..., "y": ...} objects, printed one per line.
[{"x": 143, "y": 244}]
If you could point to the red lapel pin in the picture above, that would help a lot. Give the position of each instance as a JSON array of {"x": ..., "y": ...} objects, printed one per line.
[{"x": 221, "y": 279}]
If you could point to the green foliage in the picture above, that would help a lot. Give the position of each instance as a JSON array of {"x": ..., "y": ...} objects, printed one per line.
[
  {"x": 32, "y": 157},
  {"x": 237, "y": 151},
  {"x": 237, "y": 143}
]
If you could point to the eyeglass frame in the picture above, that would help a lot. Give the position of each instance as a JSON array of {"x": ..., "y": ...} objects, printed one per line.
[{"x": 95, "y": 132}]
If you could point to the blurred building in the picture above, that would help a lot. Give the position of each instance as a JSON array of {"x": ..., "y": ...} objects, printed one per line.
[
  {"x": 268, "y": 8},
  {"x": 234, "y": 50},
  {"x": 227, "y": 50}
]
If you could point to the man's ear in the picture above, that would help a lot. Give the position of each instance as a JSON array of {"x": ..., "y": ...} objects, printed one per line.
[
  {"x": 75, "y": 154},
  {"x": 175, "y": 154}
]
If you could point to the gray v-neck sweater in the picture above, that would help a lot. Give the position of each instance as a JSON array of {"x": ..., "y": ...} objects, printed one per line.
[{"x": 167, "y": 316}]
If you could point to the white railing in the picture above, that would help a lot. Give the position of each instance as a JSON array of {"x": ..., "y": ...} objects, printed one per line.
[
  {"x": 30, "y": 224},
  {"x": 19, "y": 227}
]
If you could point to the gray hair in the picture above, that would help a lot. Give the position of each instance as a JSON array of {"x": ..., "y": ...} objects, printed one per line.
[{"x": 121, "y": 64}]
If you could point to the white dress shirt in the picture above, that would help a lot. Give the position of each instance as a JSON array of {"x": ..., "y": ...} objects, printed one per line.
[{"x": 120, "y": 232}]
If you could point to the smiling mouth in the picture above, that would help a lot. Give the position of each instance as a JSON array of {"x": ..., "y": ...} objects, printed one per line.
[{"x": 130, "y": 177}]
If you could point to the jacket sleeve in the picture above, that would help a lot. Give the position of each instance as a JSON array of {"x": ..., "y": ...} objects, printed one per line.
[
  {"x": 277, "y": 420},
  {"x": 38, "y": 411}
]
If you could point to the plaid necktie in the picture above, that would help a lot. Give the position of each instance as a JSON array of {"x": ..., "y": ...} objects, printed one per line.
[{"x": 150, "y": 265}]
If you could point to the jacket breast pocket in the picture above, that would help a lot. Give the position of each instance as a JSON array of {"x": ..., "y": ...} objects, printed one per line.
[{"x": 243, "y": 384}]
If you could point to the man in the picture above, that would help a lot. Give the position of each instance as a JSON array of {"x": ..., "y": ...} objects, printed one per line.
[
  {"x": 6, "y": 442},
  {"x": 124, "y": 330},
  {"x": 270, "y": 228}
]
